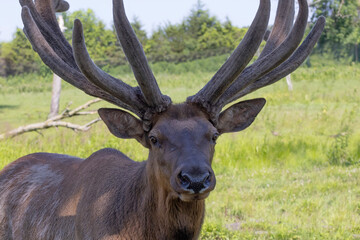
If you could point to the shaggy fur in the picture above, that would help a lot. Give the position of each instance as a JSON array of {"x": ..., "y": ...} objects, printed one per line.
[
  {"x": 109, "y": 196},
  {"x": 106, "y": 196}
]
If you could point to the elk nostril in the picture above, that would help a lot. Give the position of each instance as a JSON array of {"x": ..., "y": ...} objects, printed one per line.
[
  {"x": 184, "y": 180},
  {"x": 207, "y": 179},
  {"x": 196, "y": 183}
]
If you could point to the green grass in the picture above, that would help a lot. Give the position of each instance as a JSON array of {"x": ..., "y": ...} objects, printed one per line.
[
  {"x": 294, "y": 174},
  {"x": 282, "y": 203}
]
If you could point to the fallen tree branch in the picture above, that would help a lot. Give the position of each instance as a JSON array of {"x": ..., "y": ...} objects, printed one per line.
[
  {"x": 67, "y": 113},
  {"x": 55, "y": 121}
]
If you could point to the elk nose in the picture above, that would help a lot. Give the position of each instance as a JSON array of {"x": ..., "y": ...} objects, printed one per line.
[{"x": 195, "y": 183}]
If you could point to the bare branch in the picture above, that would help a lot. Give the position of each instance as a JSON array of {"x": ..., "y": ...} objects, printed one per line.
[
  {"x": 85, "y": 106},
  {"x": 55, "y": 121},
  {"x": 339, "y": 11},
  {"x": 67, "y": 113},
  {"x": 86, "y": 113}
]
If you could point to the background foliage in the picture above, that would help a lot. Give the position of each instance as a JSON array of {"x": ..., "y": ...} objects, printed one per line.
[
  {"x": 341, "y": 36},
  {"x": 199, "y": 35}
]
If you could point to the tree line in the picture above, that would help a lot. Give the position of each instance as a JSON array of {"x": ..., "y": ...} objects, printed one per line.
[{"x": 199, "y": 35}]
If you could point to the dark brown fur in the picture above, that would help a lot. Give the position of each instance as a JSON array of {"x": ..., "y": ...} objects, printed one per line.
[
  {"x": 106, "y": 196},
  {"x": 109, "y": 196}
]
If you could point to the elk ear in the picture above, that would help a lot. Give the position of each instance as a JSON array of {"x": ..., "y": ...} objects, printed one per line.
[
  {"x": 123, "y": 125},
  {"x": 239, "y": 116}
]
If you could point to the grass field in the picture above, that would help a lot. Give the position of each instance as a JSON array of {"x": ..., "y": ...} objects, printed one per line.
[{"x": 294, "y": 174}]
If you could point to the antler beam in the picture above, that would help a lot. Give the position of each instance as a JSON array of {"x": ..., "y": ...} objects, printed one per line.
[
  {"x": 283, "y": 23},
  {"x": 270, "y": 61},
  {"x": 290, "y": 65},
  {"x": 94, "y": 74},
  {"x": 137, "y": 59},
  {"x": 280, "y": 55},
  {"x": 238, "y": 60},
  {"x": 76, "y": 67}
]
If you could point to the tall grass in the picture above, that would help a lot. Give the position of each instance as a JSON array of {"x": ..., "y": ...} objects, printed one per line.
[{"x": 294, "y": 174}]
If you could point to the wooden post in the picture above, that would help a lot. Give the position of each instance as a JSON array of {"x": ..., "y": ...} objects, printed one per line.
[
  {"x": 56, "y": 86},
  {"x": 289, "y": 83}
]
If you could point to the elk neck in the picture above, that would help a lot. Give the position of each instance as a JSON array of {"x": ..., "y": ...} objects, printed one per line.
[{"x": 166, "y": 214}]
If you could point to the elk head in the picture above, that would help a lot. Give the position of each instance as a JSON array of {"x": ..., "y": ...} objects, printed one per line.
[{"x": 181, "y": 138}]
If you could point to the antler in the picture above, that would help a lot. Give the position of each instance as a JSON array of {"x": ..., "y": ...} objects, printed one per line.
[
  {"x": 281, "y": 56},
  {"x": 238, "y": 60},
  {"x": 137, "y": 59},
  {"x": 75, "y": 65}
]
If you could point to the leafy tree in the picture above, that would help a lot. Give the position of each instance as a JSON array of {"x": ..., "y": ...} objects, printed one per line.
[
  {"x": 199, "y": 20},
  {"x": 199, "y": 35},
  {"x": 220, "y": 36},
  {"x": 19, "y": 55},
  {"x": 341, "y": 32},
  {"x": 2, "y": 63},
  {"x": 158, "y": 46}
]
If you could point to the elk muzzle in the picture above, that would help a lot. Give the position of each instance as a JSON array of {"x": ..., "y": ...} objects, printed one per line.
[
  {"x": 196, "y": 183},
  {"x": 193, "y": 183}
]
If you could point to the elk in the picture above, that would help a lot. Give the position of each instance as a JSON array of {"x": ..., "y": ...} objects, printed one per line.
[{"x": 109, "y": 196}]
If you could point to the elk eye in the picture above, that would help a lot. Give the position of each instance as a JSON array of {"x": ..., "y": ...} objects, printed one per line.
[
  {"x": 153, "y": 139},
  {"x": 215, "y": 137}
]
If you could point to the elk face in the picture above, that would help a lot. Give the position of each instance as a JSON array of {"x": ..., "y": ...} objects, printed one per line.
[{"x": 182, "y": 143}]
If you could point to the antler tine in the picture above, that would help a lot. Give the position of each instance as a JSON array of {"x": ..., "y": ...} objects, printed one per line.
[
  {"x": 265, "y": 64},
  {"x": 42, "y": 47},
  {"x": 238, "y": 59},
  {"x": 62, "y": 69},
  {"x": 61, "y": 5},
  {"x": 283, "y": 23},
  {"x": 46, "y": 8},
  {"x": 44, "y": 16},
  {"x": 98, "y": 77},
  {"x": 137, "y": 59},
  {"x": 292, "y": 63}
]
